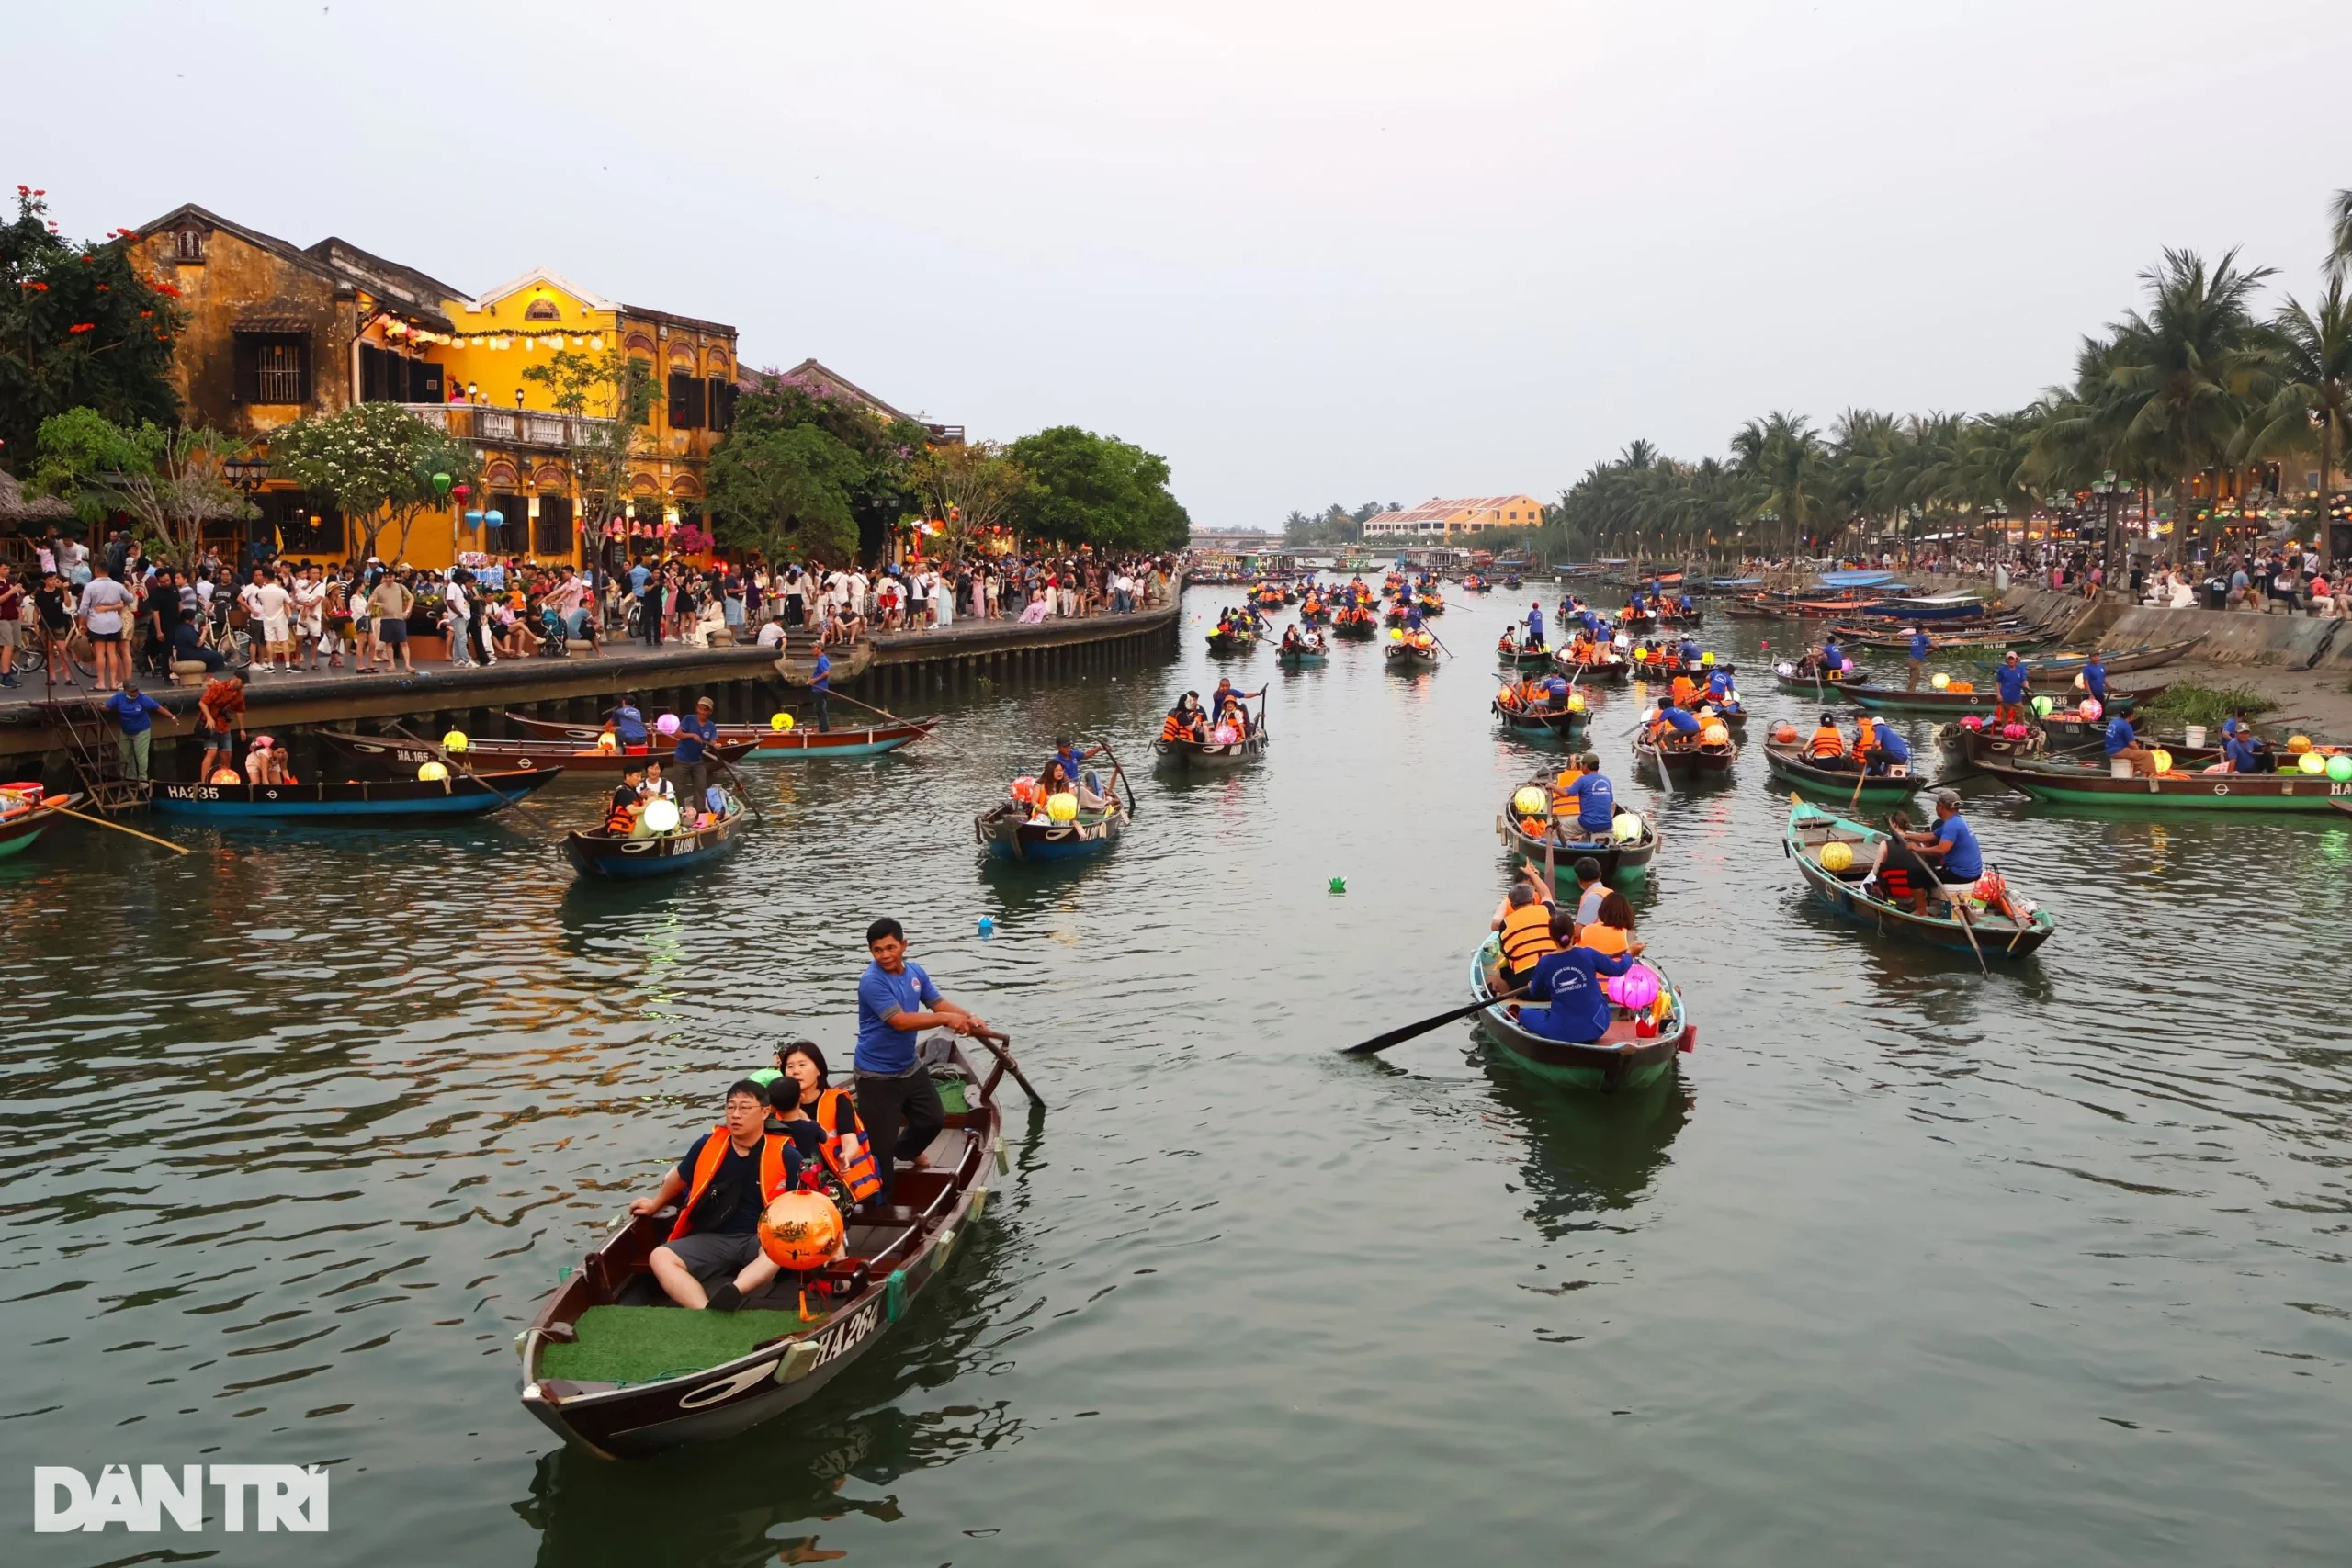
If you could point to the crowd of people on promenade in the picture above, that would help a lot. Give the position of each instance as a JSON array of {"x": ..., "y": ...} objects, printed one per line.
[{"x": 116, "y": 611}]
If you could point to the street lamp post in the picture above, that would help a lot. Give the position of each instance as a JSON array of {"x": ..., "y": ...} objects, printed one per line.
[
  {"x": 2105, "y": 488},
  {"x": 248, "y": 475}
]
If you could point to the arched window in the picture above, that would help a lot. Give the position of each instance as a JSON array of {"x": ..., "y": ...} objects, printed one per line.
[{"x": 542, "y": 311}]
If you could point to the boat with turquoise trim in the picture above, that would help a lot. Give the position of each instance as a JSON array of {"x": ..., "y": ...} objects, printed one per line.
[
  {"x": 1623, "y": 1058},
  {"x": 24, "y": 820},
  {"x": 1848, "y": 890},
  {"x": 2073, "y": 783},
  {"x": 354, "y": 803}
]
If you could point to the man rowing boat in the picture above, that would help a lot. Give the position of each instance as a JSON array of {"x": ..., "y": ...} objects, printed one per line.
[{"x": 896, "y": 1001}]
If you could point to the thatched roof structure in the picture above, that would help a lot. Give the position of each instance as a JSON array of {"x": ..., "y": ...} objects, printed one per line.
[{"x": 15, "y": 507}]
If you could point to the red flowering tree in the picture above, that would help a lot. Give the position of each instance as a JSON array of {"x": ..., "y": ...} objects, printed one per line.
[{"x": 80, "y": 327}]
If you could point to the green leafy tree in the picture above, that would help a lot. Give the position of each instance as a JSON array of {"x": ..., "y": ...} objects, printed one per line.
[
  {"x": 169, "y": 481},
  {"x": 2311, "y": 404},
  {"x": 888, "y": 448},
  {"x": 383, "y": 465},
  {"x": 609, "y": 396},
  {"x": 1097, "y": 490},
  {"x": 788, "y": 491},
  {"x": 80, "y": 327},
  {"x": 972, "y": 487}
]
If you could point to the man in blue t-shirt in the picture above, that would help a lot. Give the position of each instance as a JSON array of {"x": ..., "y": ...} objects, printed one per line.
[
  {"x": 2095, "y": 678},
  {"x": 1596, "y": 798},
  {"x": 134, "y": 712},
  {"x": 1569, "y": 980},
  {"x": 1951, "y": 851},
  {"x": 720, "y": 1193},
  {"x": 896, "y": 1002},
  {"x": 1883, "y": 750},
  {"x": 695, "y": 736},
  {"x": 2123, "y": 742},
  {"x": 1556, "y": 691},
  {"x": 2011, "y": 678},
  {"x": 821, "y": 686},
  {"x": 1681, "y": 722},
  {"x": 1535, "y": 625},
  {"x": 1918, "y": 657},
  {"x": 629, "y": 723},
  {"x": 1718, "y": 684}
]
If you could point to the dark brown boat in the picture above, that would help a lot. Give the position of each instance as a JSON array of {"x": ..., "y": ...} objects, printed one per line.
[
  {"x": 690, "y": 1379},
  {"x": 767, "y": 743},
  {"x": 402, "y": 757}
]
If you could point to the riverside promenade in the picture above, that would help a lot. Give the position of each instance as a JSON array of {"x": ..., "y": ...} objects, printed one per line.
[{"x": 36, "y": 733}]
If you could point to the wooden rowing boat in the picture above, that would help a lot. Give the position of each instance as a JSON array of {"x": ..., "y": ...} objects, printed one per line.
[
  {"x": 801, "y": 741},
  {"x": 396, "y": 756},
  {"x": 1410, "y": 659},
  {"x": 1788, "y": 763},
  {"x": 1313, "y": 656},
  {"x": 2074, "y": 784},
  {"x": 613, "y": 1371},
  {"x": 1561, "y": 724},
  {"x": 1851, "y": 894},
  {"x": 1361, "y": 626},
  {"x": 1514, "y": 656},
  {"x": 1690, "y": 760},
  {"x": 1621, "y": 1058},
  {"x": 1610, "y": 671},
  {"x": 1972, "y": 746},
  {"x": 1824, "y": 686},
  {"x": 1008, "y": 833},
  {"x": 623, "y": 858},
  {"x": 20, "y": 829},
  {"x": 1206, "y": 755},
  {"x": 1555, "y": 853},
  {"x": 2059, "y": 670},
  {"x": 1232, "y": 642},
  {"x": 354, "y": 802}
]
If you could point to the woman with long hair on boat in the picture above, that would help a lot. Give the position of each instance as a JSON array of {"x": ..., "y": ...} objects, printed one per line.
[
  {"x": 1610, "y": 931},
  {"x": 820, "y": 1119}
]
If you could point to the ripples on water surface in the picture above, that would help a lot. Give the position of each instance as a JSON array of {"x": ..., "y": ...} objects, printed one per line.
[{"x": 1910, "y": 1265}]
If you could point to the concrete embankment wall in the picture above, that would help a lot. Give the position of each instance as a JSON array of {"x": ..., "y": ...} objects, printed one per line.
[{"x": 2235, "y": 637}]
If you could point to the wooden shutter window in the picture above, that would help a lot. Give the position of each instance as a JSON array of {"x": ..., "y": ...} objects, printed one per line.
[
  {"x": 723, "y": 403},
  {"x": 689, "y": 401}
]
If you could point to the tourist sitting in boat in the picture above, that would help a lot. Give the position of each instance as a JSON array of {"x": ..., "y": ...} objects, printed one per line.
[
  {"x": 2123, "y": 745},
  {"x": 1508, "y": 641},
  {"x": 1232, "y": 725},
  {"x": 1569, "y": 980},
  {"x": 1525, "y": 922},
  {"x": 2011, "y": 679},
  {"x": 2241, "y": 753},
  {"x": 655, "y": 786},
  {"x": 1951, "y": 849},
  {"x": 266, "y": 764},
  {"x": 823, "y": 1122},
  {"x": 1675, "y": 726},
  {"x": 1686, "y": 691},
  {"x": 1186, "y": 720},
  {"x": 1553, "y": 692},
  {"x": 1878, "y": 748},
  {"x": 1901, "y": 875},
  {"x": 624, "y": 813},
  {"x": 1588, "y": 792},
  {"x": 1611, "y": 930},
  {"x": 727, "y": 1178},
  {"x": 1827, "y": 748}
]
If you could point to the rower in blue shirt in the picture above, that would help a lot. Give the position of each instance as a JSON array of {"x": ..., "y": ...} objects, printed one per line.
[
  {"x": 1595, "y": 798},
  {"x": 1682, "y": 721},
  {"x": 1919, "y": 645},
  {"x": 1951, "y": 849},
  {"x": 2238, "y": 755},
  {"x": 1555, "y": 691},
  {"x": 2095, "y": 678},
  {"x": 2123, "y": 742},
  {"x": 1535, "y": 626},
  {"x": 2011, "y": 678},
  {"x": 1719, "y": 684},
  {"x": 1833, "y": 657},
  {"x": 1412, "y": 617},
  {"x": 1689, "y": 651},
  {"x": 1883, "y": 750},
  {"x": 629, "y": 723},
  {"x": 1569, "y": 981}
]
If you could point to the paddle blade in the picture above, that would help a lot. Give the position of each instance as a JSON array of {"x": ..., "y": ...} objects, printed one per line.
[{"x": 1398, "y": 1036}]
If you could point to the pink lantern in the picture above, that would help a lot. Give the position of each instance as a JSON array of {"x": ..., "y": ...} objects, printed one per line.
[
  {"x": 2090, "y": 708},
  {"x": 667, "y": 723},
  {"x": 1973, "y": 721},
  {"x": 1635, "y": 989}
]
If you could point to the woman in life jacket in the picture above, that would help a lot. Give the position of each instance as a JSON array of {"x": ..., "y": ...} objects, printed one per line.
[
  {"x": 627, "y": 807},
  {"x": 823, "y": 1122},
  {"x": 1525, "y": 924},
  {"x": 1611, "y": 929},
  {"x": 1185, "y": 721},
  {"x": 1827, "y": 747}
]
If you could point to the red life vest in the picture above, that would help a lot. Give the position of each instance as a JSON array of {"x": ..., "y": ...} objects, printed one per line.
[
  {"x": 707, "y": 1164},
  {"x": 846, "y": 1151}
]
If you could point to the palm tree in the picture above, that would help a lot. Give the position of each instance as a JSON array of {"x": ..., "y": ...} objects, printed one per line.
[
  {"x": 2184, "y": 370},
  {"x": 2339, "y": 218},
  {"x": 1782, "y": 460},
  {"x": 2312, "y": 376}
]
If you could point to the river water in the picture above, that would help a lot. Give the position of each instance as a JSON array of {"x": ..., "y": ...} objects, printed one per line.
[{"x": 1907, "y": 1264}]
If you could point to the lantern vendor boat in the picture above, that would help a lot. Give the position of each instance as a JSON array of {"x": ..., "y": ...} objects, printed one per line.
[
  {"x": 1647, "y": 1025},
  {"x": 772, "y": 740},
  {"x": 1624, "y": 852},
  {"x": 1788, "y": 761},
  {"x": 612, "y": 1370},
  {"x": 1837, "y": 856},
  {"x": 1953, "y": 699},
  {"x": 622, "y": 857},
  {"x": 27, "y": 812},
  {"x": 354, "y": 802},
  {"x": 1975, "y": 738},
  {"x": 2296, "y": 788}
]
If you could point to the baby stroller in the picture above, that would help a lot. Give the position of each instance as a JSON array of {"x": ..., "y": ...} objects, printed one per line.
[{"x": 551, "y": 633}]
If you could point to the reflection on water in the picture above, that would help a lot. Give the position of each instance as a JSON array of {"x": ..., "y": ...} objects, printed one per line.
[{"x": 300, "y": 1128}]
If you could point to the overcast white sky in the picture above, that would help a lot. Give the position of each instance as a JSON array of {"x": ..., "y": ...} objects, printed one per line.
[{"x": 1309, "y": 252}]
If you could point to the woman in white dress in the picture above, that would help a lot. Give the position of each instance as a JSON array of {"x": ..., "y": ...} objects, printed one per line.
[{"x": 942, "y": 599}]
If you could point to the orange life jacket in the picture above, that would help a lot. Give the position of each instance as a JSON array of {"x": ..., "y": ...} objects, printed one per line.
[
  {"x": 1527, "y": 936},
  {"x": 707, "y": 1164},
  {"x": 1172, "y": 729},
  {"x": 845, "y": 1150},
  {"x": 620, "y": 821},
  {"x": 1603, "y": 939},
  {"x": 1828, "y": 741}
]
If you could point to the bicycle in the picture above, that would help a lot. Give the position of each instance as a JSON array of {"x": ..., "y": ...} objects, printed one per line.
[
  {"x": 234, "y": 644},
  {"x": 32, "y": 656}
]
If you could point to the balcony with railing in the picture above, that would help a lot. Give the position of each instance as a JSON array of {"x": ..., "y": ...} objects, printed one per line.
[{"x": 527, "y": 428}]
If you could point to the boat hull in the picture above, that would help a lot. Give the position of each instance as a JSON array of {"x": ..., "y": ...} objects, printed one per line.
[
  {"x": 766, "y": 744},
  {"x": 611, "y": 859},
  {"x": 1998, "y": 938},
  {"x": 1619, "y": 1060},
  {"x": 1006, "y": 836},
  {"x": 1208, "y": 755},
  {"x": 1890, "y": 699},
  {"x": 355, "y": 804},
  {"x": 21, "y": 832},
  {"x": 399, "y": 757},
  {"x": 1880, "y": 791},
  {"x": 1620, "y": 860},
  {"x": 2256, "y": 793}
]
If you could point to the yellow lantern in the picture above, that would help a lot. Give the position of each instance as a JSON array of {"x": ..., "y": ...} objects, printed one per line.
[
  {"x": 1836, "y": 855},
  {"x": 780, "y": 723},
  {"x": 1940, "y": 680},
  {"x": 1576, "y": 704},
  {"x": 1529, "y": 801},
  {"x": 2312, "y": 762},
  {"x": 1715, "y": 734},
  {"x": 2299, "y": 744},
  {"x": 433, "y": 773},
  {"x": 454, "y": 741},
  {"x": 2163, "y": 759},
  {"x": 1062, "y": 806}
]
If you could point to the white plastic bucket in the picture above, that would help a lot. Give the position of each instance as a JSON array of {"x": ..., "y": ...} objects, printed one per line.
[
  {"x": 2196, "y": 735},
  {"x": 2119, "y": 767}
]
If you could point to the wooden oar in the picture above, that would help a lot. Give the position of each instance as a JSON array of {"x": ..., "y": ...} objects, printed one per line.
[
  {"x": 744, "y": 784},
  {"x": 68, "y": 811},
  {"x": 996, "y": 1044},
  {"x": 1119, "y": 772},
  {"x": 1398, "y": 1036},
  {"x": 452, "y": 761}
]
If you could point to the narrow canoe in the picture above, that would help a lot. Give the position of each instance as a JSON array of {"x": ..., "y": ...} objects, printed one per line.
[
  {"x": 20, "y": 829},
  {"x": 355, "y": 803},
  {"x": 1556, "y": 856},
  {"x": 1895, "y": 699},
  {"x": 1788, "y": 763},
  {"x": 612, "y": 1371},
  {"x": 401, "y": 758},
  {"x": 1810, "y": 828},
  {"x": 2074, "y": 785},
  {"x": 799, "y": 742},
  {"x": 627, "y": 859},
  {"x": 1007, "y": 834},
  {"x": 1621, "y": 1058}
]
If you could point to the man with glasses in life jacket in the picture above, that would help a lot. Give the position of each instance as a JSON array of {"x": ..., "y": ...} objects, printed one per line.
[{"x": 727, "y": 1178}]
